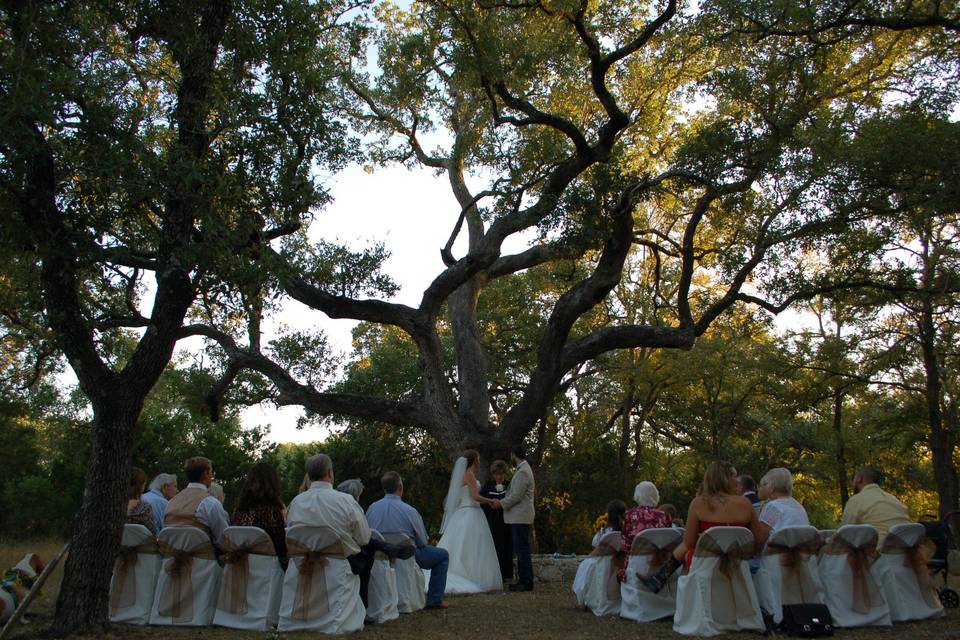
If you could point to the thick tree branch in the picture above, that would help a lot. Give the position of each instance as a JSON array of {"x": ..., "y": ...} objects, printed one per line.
[{"x": 292, "y": 392}]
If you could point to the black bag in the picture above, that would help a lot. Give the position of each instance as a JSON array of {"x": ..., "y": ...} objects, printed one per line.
[{"x": 806, "y": 620}]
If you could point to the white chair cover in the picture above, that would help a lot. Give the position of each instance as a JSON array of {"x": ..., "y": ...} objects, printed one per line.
[
  {"x": 252, "y": 580},
  {"x": 382, "y": 592},
  {"x": 650, "y": 549},
  {"x": 320, "y": 592},
  {"x": 596, "y": 583},
  {"x": 411, "y": 584},
  {"x": 788, "y": 570},
  {"x": 189, "y": 576},
  {"x": 718, "y": 595},
  {"x": 134, "y": 576},
  {"x": 849, "y": 588},
  {"x": 904, "y": 578}
]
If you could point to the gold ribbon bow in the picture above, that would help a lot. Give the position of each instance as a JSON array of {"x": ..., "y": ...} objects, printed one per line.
[
  {"x": 863, "y": 586},
  {"x": 236, "y": 572},
  {"x": 123, "y": 592},
  {"x": 916, "y": 557},
  {"x": 311, "y": 598},
  {"x": 729, "y": 594},
  {"x": 176, "y": 601},
  {"x": 796, "y": 583},
  {"x": 616, "y": 563}
]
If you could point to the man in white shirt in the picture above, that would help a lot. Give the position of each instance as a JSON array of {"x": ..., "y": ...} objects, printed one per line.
[
  {"x": 194, "y": 506},
  {"x": 322, "y": 505}
]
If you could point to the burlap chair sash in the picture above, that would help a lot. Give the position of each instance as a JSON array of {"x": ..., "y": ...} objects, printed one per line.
[
  {"x": 796, "y": 583},
  {"x": 616, "y": 563},
  {"x": 730, "y": 596},
  {"x": 915, "y": 557},
  {"x": 311, "y": 598},
  {"x": 236, "y": 572},
  {"x": 658, "y": 555},
  {"x": 176, "y": 601},
  {"x": 123, "y": 594},
  {"x": 859, "y": 558}
]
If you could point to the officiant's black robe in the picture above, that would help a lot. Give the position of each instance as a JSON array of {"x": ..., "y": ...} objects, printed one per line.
[{"x": 498, "y": 528}]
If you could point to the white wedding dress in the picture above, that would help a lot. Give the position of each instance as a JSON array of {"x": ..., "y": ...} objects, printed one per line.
[{"x": 474, "y": 567}]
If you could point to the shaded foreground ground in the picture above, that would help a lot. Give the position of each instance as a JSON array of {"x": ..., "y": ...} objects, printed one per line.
[{"x": 549, "y": 612}]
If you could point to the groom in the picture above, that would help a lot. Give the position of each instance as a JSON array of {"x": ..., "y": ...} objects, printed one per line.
[{"x": 518, "y": 513}]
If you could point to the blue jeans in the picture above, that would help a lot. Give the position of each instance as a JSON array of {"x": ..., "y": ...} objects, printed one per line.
[
  {"x": 521, "y": 546},
  {"x": 437, "y": 561}
]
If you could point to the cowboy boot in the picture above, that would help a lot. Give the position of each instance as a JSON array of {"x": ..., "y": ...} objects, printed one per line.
[{"x": 655, "y": 581}]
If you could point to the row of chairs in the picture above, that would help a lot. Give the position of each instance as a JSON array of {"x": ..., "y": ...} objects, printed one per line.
[
  {"x": 800, "y": 565},
  {"x": 176, "y": 579}
]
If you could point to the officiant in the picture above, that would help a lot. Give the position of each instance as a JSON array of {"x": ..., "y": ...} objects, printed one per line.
[{"x": 496, "y": 489}]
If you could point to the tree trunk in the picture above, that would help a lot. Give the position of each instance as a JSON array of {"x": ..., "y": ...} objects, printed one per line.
[
  {"x": 82, "y": 605},
  {"x": 841, "y": 455},
  {"x": 941, "y": 446},
  {"x": 626, "y": 431}
]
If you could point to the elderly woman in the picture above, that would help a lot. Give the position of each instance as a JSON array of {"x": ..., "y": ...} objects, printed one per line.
[
  {"x": 780, "y": 510},
  {"x": 643, "y": 516}
]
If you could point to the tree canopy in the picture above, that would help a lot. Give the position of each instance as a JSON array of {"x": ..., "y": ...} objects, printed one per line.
[{"x": 675, "y": 172}]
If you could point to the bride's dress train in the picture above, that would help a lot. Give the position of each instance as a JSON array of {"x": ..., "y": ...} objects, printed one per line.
[{"x": 474, "y": 567}]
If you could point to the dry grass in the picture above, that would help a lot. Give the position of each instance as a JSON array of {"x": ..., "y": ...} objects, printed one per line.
[{"x": 550, "y": 612}]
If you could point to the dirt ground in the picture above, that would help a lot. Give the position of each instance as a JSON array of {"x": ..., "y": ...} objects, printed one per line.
[{"x": 549, "y": 612}]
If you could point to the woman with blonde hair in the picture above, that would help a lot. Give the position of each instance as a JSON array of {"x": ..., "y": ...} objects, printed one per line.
[{"x": 717, "y": 505}]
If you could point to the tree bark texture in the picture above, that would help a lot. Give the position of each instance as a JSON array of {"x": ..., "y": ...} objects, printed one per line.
[
  {"x": 840, "y": 453},
  {"x": 82, "y": 605}
]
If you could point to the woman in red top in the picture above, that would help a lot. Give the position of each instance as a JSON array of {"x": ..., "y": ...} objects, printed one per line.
[{"x": 716, "y": 505}]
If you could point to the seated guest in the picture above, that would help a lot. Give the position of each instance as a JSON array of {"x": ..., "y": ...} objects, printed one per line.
[
  {"x": 717, "y": 504},
  {"x": 139, "y": 510},
  {"x": 616, "y": 512},
  {"x": 643, "y": 516},
  {"x": 216, "y": 491},
  {"x": 780, "y": 509},
  {"x": 391, "y": 514},
  {"x": 495, "y": 489},
  {"x": 162, "y": 488},
  {"x": 872, "y": 505},
  {"x": 352, "y": 487},
  {"x": 259, "y": 505},
  {"x": 590, "y": 584},
  {"x": 671, "y": 511},
  {"x": 194, "y": 506},
  {"x": 322, "y": 505},
  {"x": 747, "y": 488}
]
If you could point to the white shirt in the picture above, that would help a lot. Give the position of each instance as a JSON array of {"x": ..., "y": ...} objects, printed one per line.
[
  {"x": 322, "y": 505},
  {"x": 211, "y": 513},
  {"x": 783, "y": 512}
]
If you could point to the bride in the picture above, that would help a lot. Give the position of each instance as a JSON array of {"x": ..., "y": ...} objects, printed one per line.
[{"x": 464, "y": 533}]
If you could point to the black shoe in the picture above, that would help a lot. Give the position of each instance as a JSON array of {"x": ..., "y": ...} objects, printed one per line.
[{"x": 518, "y": 586}]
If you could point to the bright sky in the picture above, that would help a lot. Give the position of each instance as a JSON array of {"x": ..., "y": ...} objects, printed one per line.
[{"x": 412, "y": 213}]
